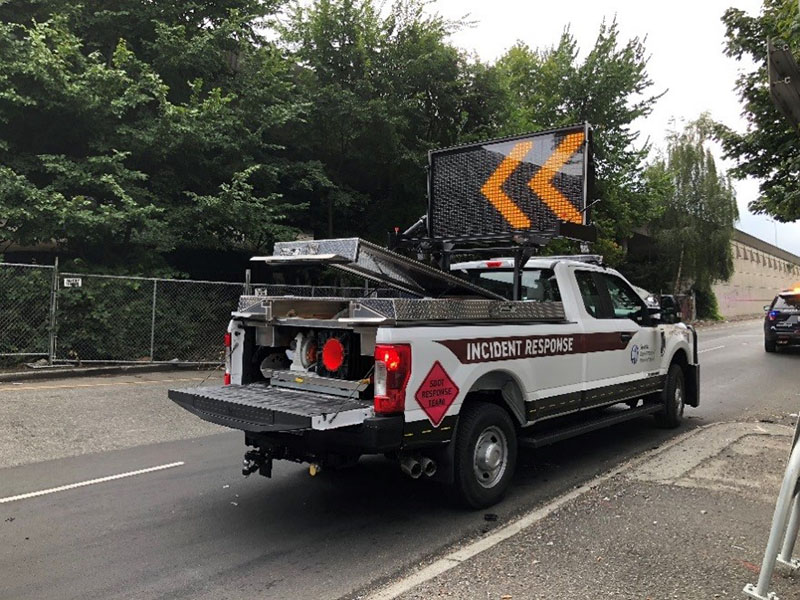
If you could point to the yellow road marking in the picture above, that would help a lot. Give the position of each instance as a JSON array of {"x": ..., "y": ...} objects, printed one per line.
[
  {"x": 493, "y": 188},
  {"x": 542, "y": 182},
  {"x": 17, "y": 388}
]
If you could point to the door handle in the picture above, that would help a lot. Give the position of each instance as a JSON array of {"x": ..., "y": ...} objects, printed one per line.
[{"x": 626, "y": 336}]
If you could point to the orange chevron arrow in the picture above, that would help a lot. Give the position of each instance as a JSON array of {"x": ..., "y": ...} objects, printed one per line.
[
  {"x": 493, "y": 188},
  {"x": 542, "y": 182}
]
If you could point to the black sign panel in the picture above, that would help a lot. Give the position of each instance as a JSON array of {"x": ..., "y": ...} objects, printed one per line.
[{"x": 526, "y": 183}]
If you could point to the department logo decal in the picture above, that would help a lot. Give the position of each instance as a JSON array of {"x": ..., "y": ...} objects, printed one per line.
[{"x": 635, "y": 354}]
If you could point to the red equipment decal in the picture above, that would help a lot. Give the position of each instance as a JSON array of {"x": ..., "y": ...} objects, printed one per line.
[{"x": 436, "y": 394}]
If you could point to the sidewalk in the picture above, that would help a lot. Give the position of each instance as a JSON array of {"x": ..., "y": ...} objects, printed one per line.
[{"x": 688, "y": 521}]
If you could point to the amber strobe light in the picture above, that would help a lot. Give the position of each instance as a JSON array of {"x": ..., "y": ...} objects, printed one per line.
[
  {"x": 392, "y": 371},
  {"x": 333, "y": 354}
]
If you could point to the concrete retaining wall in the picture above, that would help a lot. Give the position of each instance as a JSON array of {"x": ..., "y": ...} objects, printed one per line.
[{"x": 760, "y": 271}]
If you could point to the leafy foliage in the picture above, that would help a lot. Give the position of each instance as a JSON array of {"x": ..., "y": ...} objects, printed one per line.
[
  {"x": 608, "y": 88},
  {"x": 130, "y": 130},
  {"x": 379, "y": 91},
  {"x": 122, "y": 135},
  {"x": 768, "y": 149},
  {"x": 694, "y": 231}
]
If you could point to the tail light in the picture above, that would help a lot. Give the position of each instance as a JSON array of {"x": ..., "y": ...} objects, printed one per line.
[
  {"x": 392, "y": 371},
  {"x": 226, "y": 379}
]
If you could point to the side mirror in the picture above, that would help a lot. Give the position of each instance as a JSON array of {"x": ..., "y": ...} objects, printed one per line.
[
  {"x": 669, "y": 309},
  {"x": 766, "y": 308},
  {"x": 656, "y": 315}
]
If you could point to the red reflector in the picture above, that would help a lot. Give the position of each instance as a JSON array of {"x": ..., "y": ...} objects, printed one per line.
[
  {"x": 493, "y": 264},
  {"x": 333, "y": 354},
  {"x": 389, "y": 356},
  {"x": 226, "y": 379},
  {"x": 227, "y": 340}
]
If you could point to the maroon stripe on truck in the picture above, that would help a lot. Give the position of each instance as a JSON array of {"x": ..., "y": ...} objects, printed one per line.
[{"x": 478, "y": 350}]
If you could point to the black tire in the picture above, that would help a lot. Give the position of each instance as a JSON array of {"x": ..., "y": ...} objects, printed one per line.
[
  {"x": 769, "y": 345},
  {"x": 673, "y": 398},
  {"x": 481, "y": 481}
]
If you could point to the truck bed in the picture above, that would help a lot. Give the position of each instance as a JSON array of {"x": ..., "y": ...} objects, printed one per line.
[{"x": 260, "y": 407}]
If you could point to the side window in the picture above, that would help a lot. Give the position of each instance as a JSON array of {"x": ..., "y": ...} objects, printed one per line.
[
  {"x": 589, "y": 292},
  {"x": 540, "y": 286},
  {"x": 625, "y": 302}
]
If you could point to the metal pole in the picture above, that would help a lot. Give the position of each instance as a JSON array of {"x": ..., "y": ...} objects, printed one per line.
[
  {"x": 781, "y": 516},
  {"x": 248, "y": 290},
  {"x": 153, "y": 323},
  {"x": 51, "y": 351},
  {"x": 785, "y": 557}
]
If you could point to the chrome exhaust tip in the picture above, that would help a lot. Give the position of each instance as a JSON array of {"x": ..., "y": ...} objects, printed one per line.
[
  {"x": 428, "y": 466},
  {"x": 411, "y": 467}
]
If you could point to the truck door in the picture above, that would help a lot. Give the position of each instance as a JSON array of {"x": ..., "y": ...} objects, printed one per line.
[{"x": 620, "y": 346}]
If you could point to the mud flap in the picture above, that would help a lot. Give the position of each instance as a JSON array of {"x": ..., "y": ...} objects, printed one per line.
[{"x": 693, "y": 385}]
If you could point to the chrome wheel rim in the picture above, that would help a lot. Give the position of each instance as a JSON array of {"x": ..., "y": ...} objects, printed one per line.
[{"x": 490, "y": 458}]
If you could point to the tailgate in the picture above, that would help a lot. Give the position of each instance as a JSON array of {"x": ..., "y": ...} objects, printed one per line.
[{"x": 262, "y": 407}]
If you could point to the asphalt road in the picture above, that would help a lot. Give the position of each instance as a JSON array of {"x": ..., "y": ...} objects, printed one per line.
[{"x": 197, "y": 529}]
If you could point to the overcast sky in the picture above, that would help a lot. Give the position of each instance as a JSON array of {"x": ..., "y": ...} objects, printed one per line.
[{"x": 684, "y": 38}]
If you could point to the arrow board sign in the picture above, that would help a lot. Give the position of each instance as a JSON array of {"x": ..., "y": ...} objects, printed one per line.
[{"x": 526, "y": 183}]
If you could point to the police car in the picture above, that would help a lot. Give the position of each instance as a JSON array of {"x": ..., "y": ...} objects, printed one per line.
[{"x": 782, "y": 321}]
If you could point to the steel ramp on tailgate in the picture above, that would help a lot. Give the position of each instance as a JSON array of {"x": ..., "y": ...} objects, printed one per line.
[{"x": 261, "y": 407}]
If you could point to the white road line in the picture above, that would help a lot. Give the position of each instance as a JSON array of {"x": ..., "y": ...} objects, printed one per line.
[
  {"x": 710, "y": 349},
  {"x": 72, "y": 486}
]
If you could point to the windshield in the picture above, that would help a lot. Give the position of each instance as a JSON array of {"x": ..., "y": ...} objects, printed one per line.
[
  {"x": 538, "y": 285},
  {"x": 787, "y": 302}
]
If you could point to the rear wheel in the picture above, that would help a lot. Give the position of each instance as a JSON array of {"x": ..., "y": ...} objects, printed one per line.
[
  {"x": 769, "y": 345},
  {"x": 673, "y": 397},
  {"x": 485, "y": 454}
]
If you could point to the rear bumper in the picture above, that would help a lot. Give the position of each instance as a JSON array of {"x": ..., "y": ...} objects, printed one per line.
[
  {"x": 374, "y": 436},
  {"x": 309, "y": 420},
  {"x": 788, "y": 338}
]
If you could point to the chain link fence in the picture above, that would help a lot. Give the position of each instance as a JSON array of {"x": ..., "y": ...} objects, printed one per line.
[
  {"x": 86, "y": 318},
  {"x": 26, "y": 297}
]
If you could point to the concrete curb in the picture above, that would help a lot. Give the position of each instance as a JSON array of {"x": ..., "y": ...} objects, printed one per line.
[
  {"x": 58, "y": 373},
  {"x": 726, "y": 322},
  {"x": 399, "y": 586}
]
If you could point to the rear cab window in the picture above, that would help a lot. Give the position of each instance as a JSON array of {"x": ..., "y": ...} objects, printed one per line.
[{"x": 538, "y": 285}]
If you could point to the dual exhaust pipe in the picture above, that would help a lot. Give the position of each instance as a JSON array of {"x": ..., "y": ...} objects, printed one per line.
[{"x": 415, "y": 467}]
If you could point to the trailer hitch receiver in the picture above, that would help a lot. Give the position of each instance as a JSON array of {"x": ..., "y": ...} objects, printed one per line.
[{"x": 257, "y": 460}]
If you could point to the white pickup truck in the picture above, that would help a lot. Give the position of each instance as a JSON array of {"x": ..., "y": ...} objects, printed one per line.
[{"x": 448, "y": 377}]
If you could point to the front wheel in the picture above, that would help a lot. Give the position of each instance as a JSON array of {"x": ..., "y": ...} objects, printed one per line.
[
  {"x": 673, "y": 396},
  {"x": 485, "y": 454}
]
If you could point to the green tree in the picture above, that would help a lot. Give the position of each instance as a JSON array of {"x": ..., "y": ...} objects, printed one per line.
[
  {"x": 610, "y": 89},
  {"x": 768, "y": 148},
  {"x": 694, "y": 232},
  {"x": 130, "y": 130},
  {"x": 380, "y": 90}
]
